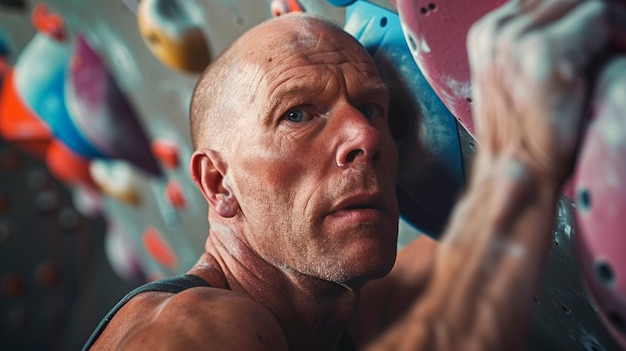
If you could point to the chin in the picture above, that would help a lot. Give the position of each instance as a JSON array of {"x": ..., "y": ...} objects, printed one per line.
[
  {"x": 356, "y": 280},
  {"x": 365, "y": 252},
  {"x": 367, "y": 262}
]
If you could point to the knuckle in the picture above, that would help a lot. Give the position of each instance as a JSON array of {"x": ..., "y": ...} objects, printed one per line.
[
  {"x": 492, "y": 32},
  {"x": 535, "y": 56},
  {"x": 479, "y": 45},
  {"x": 488, "y": 26},
  {"x": 535, "y": 43},
  {"x": 475, "y": 32},
  {"x": 480, "y": 32}
]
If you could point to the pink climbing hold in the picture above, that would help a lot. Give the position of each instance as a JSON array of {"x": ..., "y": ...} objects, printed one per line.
[
  {"x": 600, "y": 183},
  {"x": 436, "y": 32}
]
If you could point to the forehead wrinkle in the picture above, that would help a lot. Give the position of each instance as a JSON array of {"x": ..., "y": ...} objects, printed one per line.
[
  {"x": 370, "y": 88},
  {"x": 331, "y": 56},
  {"x": 284, "y": 85},
  {"x": 299, "y": 62},
  {"x": 274, "y": 66}
]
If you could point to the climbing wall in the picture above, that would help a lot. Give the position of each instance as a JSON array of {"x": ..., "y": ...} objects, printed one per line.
[
  {"x": 55, "y": 281},
  {"x": 95, "y": 195}
]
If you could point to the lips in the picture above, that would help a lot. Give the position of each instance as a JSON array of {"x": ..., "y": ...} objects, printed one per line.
[{"x": 360, "y": 202}]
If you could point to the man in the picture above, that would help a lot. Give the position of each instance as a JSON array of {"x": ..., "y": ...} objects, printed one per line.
[{"x": 296, "y": 162}]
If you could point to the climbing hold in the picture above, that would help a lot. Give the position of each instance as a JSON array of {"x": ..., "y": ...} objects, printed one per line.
[
  {"x": 68, "y": 219},
  {"x": 173, "y": 31},
  {"x": 38, "y": 179},
  {"x": 47, "y": 202},
  {"x": 281, "y": 7},
  {"x": 18, "y": 123},
  {"x": 13, "y": 286},
  {"x": 342, "y": 2},
  {"x": 103, "y": 114},
  {"x": 166, "y": 151},
  {"x": 600, "y": 185},
  {"x": 438, "y": 47},
  {"x": 68, "y": 166},
  {"x": 40, "y": 76},
  {"x": 175, "y": 195},
  {"x": 49, "y": 23},
  {"x": 48, "y": 274},
  {"x": 117, "y": 180},
  {"x": 122, "y": 253},
  {"x": 156, "y": 246}
]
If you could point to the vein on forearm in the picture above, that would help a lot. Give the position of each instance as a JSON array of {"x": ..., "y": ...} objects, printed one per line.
[{"x": 491, "y": 257}]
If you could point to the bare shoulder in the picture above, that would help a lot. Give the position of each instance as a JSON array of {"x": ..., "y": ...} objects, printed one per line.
[{"x": 196, "y": 319}]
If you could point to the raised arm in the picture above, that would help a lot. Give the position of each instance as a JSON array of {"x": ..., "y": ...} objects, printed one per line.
[{"x": 529, "y": 62}]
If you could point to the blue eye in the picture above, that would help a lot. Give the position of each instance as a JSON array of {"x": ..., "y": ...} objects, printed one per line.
[
  {"x": 370, "y": 111},
  {"x": 298, "y": 115},
  {"x": 295, "y": 115}
]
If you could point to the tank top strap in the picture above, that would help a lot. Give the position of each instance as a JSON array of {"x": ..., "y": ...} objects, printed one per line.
[{"x": 172, "y": 285}]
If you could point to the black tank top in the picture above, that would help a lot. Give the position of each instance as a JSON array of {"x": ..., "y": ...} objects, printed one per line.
[
  {"x": 172, "y": 285},
  {"x": 175, "y": 285}
]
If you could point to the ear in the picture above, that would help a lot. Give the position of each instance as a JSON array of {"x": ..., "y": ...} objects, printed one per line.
[{"x": 208, "y": 170}]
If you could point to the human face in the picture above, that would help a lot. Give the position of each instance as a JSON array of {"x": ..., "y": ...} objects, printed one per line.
[{"x": 314, "y": 169}]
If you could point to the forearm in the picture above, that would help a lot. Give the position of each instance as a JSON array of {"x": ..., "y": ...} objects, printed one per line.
[{"x": 488, "y": 263}]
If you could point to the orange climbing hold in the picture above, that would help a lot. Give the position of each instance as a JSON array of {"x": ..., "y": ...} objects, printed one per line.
[
  {"x": 166, "y": 152},
  {"x": 18, "y": 124},
  {"x": 49, "y": 23},
  {"x": 156, "y": 246},
  {"x": 68, "y": 166},
  {"x": 282, "y": 7},
  {"x": 175, "y": 195}
]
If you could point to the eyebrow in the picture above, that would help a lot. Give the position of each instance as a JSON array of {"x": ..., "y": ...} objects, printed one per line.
[
  {"x": 278, "y": 99},
  {"x": 368, "y": 89},
  {"x": 373, "y": 88}
]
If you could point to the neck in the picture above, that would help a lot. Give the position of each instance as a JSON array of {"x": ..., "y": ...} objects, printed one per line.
[{"x": 313, "y": 312}]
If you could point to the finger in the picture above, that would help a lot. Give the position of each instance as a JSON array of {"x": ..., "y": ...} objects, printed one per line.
[
  {"x": 532, "y": 15},
  {"x": 508, "y": 23},
  {"x": 585, "y": 32},
  {"x": 610, "y": 90},
  {"x": 544, "y": 12},
  {"x": 482, "y": 34}
]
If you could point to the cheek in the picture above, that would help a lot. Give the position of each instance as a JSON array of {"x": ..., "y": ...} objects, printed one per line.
[
  {"x": 269, "y": 182},
  {"x": 286, "y": 163},
  {"x": 276, "y": 192}
]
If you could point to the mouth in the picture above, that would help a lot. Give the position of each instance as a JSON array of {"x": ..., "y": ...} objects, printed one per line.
[{"x": 361, "y": 207}]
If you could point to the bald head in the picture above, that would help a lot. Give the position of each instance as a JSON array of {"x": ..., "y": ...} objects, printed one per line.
[{"x": 226, "y": 88}]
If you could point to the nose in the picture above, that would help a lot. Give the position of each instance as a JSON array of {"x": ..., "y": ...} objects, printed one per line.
[{"x": 359, "y": 140}]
